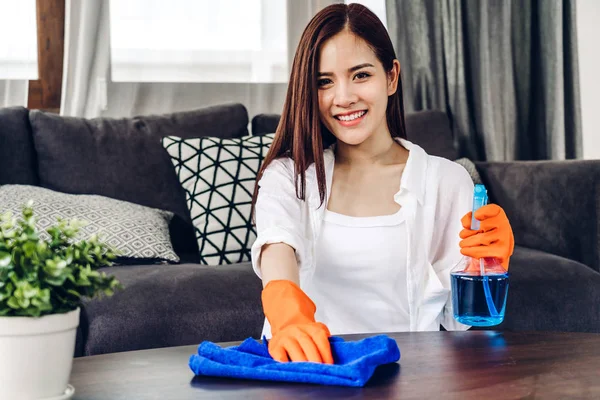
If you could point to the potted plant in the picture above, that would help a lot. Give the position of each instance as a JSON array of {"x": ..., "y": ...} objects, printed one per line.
[{"x": 42, "y": 284}]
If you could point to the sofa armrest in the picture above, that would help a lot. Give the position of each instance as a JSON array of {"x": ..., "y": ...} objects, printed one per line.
[{"x": 553, "y": 206}]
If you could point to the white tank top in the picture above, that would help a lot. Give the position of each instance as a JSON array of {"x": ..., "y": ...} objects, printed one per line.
[{"x": 360, "y": 279}]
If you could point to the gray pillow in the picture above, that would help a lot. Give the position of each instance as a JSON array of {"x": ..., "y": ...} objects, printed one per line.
[
  {"x": 122, "y": 158},
  {"x": 137, "y": 232},
  {"x": 471, "y": 169},
  {"x": 16, "y": 148}
]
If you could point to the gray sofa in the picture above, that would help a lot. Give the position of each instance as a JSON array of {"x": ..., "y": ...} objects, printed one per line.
[{"x": 553, "y": 207}]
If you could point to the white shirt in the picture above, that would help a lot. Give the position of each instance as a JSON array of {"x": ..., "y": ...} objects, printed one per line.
[
  {"x": 434, "y": 192},
  {"x": 360, "y": 279}
]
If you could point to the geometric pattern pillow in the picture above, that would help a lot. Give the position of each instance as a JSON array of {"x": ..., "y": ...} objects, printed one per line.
[
  {"x": 135, "y": 231},
  {"x": 218, "y": 176}
]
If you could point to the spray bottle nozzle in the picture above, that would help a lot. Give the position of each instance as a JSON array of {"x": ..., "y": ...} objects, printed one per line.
[{"x": 480, "y": 199}]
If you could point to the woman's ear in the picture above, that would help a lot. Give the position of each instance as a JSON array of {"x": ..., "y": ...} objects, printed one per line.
[{"x": 392, "y": 78}]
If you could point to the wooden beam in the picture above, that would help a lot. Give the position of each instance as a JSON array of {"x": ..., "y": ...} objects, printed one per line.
[{"x": 45, "y": 93}]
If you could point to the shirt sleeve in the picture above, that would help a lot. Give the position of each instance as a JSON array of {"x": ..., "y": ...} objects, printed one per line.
[
  {"x": 280, "y": 216},
  {"x": 454, "y": 201}
]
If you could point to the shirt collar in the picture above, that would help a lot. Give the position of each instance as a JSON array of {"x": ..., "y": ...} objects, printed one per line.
[{"x": 413, "y": 176}]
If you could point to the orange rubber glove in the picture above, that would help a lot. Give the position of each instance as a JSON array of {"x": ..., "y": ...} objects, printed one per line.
[
  {"x": 494, "y": 237},
  {"x": 296, "y": 335}
]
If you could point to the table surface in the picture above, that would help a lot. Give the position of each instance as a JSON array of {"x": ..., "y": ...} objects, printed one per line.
[{"x": 465, "y": 365}]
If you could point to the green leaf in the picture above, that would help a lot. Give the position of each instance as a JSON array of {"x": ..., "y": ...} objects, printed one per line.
[
  {"x": 24, "y": 302},
  {"x": 74, "y": 293},
  {"x": 13, "y": 303},
  {"x": 56, "y": 281},
  {"x": 30, "y": 292},
  {"x": 39, "y": 277},
  {"x": 5, "y": 259}
]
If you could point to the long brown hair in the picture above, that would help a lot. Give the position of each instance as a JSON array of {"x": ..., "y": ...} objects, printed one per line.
[{"x": 300, "y": 134}]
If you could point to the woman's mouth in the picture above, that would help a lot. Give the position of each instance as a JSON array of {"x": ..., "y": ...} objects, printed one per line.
[{"x": 351, "y": 119}]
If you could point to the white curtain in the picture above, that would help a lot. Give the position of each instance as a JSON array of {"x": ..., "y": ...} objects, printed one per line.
[
  {"x": 13, "y": 93},
  {"x": 88, "y": 90},
  {"x": 86, "y": 58}
]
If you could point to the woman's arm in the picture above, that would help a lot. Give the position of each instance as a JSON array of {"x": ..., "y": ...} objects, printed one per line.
[
  {"x": 278, "y": 262},
  {"x": 278, "y": 254},
  {"x": 281, "y": 247}
]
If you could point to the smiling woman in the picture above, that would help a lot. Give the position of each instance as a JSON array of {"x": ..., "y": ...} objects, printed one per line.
[
  {"x": 349, "y": 118},
  {"x": 353, "y": 90},
  {"x": 358, "y": 228},
  {"x": 359, "y": 35}
]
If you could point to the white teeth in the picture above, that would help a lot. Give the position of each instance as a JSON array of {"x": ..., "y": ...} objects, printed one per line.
[{"x": 351, "y": 116}]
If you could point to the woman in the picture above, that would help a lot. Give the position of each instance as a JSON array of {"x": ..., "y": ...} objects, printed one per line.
[{"x": 358, "y": 228}]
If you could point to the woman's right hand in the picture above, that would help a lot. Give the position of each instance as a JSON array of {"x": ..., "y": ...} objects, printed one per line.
[
  {"x": 296, "y": 334},
  {"x": 302, "y": 342}
]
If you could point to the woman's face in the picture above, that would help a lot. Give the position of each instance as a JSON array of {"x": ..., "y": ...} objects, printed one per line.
[{"x": 353, "y": 89}]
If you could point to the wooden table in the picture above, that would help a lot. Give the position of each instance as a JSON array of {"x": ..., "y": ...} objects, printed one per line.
[{"x": 465, "y": 365}]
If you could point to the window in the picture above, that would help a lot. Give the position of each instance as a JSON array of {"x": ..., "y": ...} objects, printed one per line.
[
  {"x": 198, "y": 41},
  {"x": 18, "y": 40}
]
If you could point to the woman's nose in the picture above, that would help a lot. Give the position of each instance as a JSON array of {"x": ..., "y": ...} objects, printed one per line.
[{"x": 344, "y": 96}]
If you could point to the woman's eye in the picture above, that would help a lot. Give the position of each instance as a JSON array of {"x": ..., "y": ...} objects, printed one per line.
[
  {"x": 362, "y": 75},
  {"x": 323, "y": 82}
]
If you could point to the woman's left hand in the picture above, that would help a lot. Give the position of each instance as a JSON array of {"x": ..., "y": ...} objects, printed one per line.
[{"x": 494, "y": 237}]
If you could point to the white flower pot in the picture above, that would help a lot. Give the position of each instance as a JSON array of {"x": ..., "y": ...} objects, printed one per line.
[{"x": 36, "y": 355}]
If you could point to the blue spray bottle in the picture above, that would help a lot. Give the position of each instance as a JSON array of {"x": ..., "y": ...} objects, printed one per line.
[{"x": 479, "y": 286}]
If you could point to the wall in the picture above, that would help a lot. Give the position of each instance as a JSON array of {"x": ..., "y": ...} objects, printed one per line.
[{"x": 588, "y": 32}]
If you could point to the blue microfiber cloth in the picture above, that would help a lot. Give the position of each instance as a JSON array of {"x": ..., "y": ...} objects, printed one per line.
[{"x": 355, "y": 362}]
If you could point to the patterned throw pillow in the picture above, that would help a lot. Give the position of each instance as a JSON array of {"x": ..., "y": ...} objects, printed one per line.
[
  {"x": 137, "y": 232},
  {"x": 218, "y": 176}
]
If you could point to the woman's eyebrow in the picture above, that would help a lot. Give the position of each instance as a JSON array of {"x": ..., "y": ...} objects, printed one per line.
[{"x": 351, "y": 69}]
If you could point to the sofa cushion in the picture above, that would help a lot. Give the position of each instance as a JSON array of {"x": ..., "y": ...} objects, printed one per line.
[
  {"x": 265, "y": 123},
  {"x": 218, "y": 176},
  {"x": 429, "y": 129},
  {"x": 551, "y": 293},
  {"x": 553, "y": 205},
  {"x": 123, "y": 158},
  {"x": 138, "y": 233},
  {"x": 224, "y": 121},
  {"x": 17, "y": 153},
  {"x": 173, "y": 306}
]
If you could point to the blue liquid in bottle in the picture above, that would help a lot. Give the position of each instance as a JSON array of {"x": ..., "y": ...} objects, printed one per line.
[
  {"x": 479, "y": 286},
  {"x": 469, "y": 298}
]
